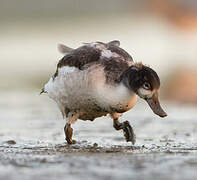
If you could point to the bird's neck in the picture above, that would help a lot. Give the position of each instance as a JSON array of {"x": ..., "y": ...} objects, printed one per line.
[{"x": 128, "y": 78}]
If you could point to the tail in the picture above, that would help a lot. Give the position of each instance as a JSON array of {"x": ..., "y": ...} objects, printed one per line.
[
  {"x": 42, "y": 91},
  {"x": 64, "y": 49}
]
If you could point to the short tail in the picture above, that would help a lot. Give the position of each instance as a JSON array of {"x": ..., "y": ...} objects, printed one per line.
[
  {"x": 42, "y": 91},
  {"x": 64, "y": 49}
]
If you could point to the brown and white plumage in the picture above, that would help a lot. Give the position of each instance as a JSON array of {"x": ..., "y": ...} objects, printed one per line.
[
  {"x": 95, "y": 80},
  {"x": 86, "y": 81}
]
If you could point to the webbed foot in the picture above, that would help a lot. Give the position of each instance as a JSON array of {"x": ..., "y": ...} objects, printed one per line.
[{"x": 127, "y": 130}]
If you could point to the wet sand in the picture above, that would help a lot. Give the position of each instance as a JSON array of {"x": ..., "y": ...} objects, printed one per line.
[{"x": 32, "y": 143}]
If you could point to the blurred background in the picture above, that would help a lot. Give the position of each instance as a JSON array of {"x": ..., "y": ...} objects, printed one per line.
[{"x": 160, "y": 33}]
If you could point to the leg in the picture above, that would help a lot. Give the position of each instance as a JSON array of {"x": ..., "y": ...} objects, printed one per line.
[
  {"x": 126, "y": 127},
  {"x": 68, "y": 133},
  {"x": 67, "y": 129}
]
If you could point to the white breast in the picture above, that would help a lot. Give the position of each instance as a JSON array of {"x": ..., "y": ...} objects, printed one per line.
[{"x": 118, "y": 97}]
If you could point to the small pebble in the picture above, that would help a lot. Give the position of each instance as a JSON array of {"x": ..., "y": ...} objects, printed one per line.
[{"x": 11, "y": 142}]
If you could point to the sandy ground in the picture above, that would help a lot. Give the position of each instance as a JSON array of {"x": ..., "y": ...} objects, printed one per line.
[{"x": 32, "y": 143}]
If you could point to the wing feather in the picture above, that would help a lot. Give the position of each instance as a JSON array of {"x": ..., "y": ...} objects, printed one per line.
[{"x": 90, "y": 53}]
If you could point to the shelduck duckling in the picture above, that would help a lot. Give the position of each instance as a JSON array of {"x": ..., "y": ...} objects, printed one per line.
[{"x": 97, "y": 79}]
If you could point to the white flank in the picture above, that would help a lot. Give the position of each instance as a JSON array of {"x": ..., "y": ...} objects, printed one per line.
[
  {"x": 55, "y": 86},
  {"x": 48, "y": 85}
]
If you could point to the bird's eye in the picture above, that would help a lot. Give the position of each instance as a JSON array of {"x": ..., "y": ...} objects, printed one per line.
[{"x": 146, "y": 86}]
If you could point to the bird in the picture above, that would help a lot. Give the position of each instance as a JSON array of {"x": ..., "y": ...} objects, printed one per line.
[{"x": 99, "y": 79}]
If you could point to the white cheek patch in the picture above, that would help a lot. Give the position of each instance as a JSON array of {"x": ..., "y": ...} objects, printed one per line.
[{"x": 144, "y": 93}]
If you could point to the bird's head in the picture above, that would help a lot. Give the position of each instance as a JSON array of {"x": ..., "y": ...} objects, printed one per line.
[{"x": 145, "y": 82}]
